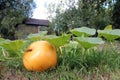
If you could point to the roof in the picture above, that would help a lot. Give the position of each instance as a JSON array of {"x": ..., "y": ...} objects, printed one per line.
[{"x": 38, "y": 22}]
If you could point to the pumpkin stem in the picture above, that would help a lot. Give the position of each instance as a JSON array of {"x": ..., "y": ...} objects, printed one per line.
[{"x": 28, "y": 50}]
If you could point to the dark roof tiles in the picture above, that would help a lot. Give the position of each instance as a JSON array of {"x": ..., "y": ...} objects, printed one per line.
[{"x": 38, "y": 22}]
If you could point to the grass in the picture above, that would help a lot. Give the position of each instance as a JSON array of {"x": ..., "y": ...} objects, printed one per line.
[{"x": 94, "y": 64}]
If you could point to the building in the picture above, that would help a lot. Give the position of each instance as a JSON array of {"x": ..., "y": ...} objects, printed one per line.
[{"x": 30, "y": 26}]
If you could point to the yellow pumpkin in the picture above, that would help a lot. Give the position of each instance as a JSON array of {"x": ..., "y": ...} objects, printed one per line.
[{"x": 39, "y": 56}]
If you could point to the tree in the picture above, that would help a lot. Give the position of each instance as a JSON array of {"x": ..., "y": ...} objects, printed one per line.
[
  {"x": 13, "y": 12},
  {"x": 89, "y": 13},
  {"x": 116, "y": 15}
]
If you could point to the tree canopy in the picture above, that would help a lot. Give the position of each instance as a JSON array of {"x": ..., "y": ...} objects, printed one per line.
[
  {"x": 78, "y": 13},
  {"x": 13, "y": 12},
  {"x": 116, "y": 14}
]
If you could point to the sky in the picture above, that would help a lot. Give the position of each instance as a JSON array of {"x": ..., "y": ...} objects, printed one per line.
[{"x": 40, "y": 12}]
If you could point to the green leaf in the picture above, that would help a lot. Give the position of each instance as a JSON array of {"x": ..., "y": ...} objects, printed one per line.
[
  {"x": 3, "y": 40},
  {"x": 38, "y": 36},
  {"x": 13, "y": 47},
  {"x": 89, "y": 42},
  {"x": 58, "y": 41},
  {"x": 108, "y": 27},
  {"x": 83, "y": 31},
  {"x": 1, "y": 54},
  {"x": 41, "y": 33},
  {"x": 109, "y": 34},
  {"x": 71, "y": 45}
]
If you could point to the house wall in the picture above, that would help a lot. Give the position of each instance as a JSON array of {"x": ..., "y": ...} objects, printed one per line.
[{"x": 24, "y": 30}]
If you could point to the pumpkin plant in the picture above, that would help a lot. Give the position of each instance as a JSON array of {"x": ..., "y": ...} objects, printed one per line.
[
  {"x": 39, "y": 56},
  {"x": 110, "y": 35},
  {"x": 83, "y": 31},
  {"x": 11, "y": 52},
  {"x": 108, "y": 27},
  {"x": 13, "y": 48},
  {"x": 86, "y": 42},
  {"x": 58, "y": 41},
  {"x": 83, "y": 38},
  {"x": 38, "y": 36}
]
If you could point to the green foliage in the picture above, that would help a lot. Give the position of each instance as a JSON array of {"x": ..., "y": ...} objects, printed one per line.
[
  {"x": 38, "y": 36},
  {"x": 1, "y": 54},
  {"x": 71, "y": 56},
  {"x": 110, "y": 34},
  {"x": 13, "y": 48},
  {"x": 13, "y": 12},
  {"x": 108, "y": 27},
  {"x": 42, "y": 33},
  {"x": 116, "y": 15},
  {"x": 105, "y": 60},
  {"x": 11, "y": 52},
  {"x": 72, "y": 63},
  {"x": 83, "y": 31},
  {"x": 1, "y": 39},
  {"x": 89, "y": 42},
  {"x": 58, "y": 41},
  {"x": 80, "y": 13}
]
